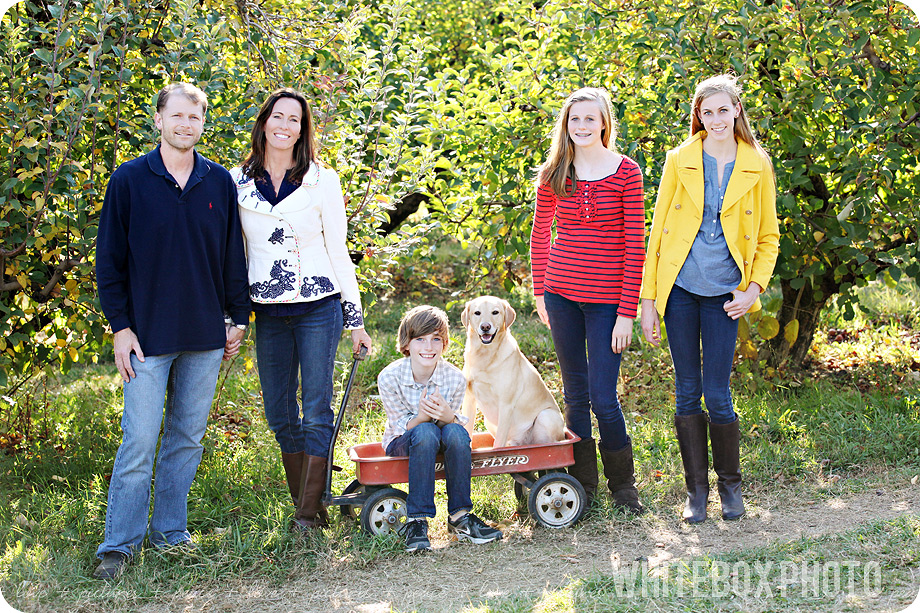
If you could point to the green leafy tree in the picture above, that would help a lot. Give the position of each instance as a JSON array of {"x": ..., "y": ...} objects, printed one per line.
[
  {"x": 452, "y": 103},
  {"x": 833, "y": 91},
  {"x": 79, "y": 80}
]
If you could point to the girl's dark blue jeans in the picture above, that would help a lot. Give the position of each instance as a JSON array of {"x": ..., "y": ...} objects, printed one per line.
[
  {"x": 702, "y": 339},
  {"x": 582, "y": 334}
]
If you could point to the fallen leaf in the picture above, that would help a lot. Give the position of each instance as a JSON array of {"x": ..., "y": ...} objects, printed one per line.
[{"x": 23, "y": 522}]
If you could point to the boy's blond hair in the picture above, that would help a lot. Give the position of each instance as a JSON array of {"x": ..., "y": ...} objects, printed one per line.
[{"x": 419, "y": 321}]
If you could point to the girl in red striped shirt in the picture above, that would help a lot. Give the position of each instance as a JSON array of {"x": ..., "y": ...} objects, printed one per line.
[{"x": 586, "y": 282}]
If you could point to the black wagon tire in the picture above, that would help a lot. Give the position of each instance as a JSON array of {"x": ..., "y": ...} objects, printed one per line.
[
  {"x": 352, "y": 511},
  {"x": 557, "y": 500},
  {"x": 384, "y": 512}
]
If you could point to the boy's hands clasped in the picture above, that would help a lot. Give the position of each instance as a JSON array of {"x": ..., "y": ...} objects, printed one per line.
[{"x": 434, "y": 407}]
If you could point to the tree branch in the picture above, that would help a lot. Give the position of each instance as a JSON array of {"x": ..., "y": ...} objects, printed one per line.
[
  {"x": 913, "y": 119},
  {"x": 868, "y": 53},
  {"x": 56, "y": 277}
]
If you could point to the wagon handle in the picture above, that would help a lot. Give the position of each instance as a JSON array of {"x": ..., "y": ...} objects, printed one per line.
[{"x": 358, "y": 357}]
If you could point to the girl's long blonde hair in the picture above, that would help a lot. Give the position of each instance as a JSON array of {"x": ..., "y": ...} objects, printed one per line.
[
  {"x": 724, "y": 84},
  {"x": 559, "y": 169}
]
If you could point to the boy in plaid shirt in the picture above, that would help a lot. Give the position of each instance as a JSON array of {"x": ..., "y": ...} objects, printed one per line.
[{"x": 422, "y": 395}]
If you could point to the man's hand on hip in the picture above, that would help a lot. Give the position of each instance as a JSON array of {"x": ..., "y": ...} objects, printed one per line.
[{"x": 126, "y": 342}]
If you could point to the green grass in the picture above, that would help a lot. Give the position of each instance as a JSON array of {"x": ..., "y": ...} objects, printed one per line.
[{"x": 820, "y": 433}]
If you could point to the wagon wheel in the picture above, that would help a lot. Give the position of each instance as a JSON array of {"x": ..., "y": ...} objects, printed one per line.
[
  {"x": 384, "y": 512},
  {"x": 557, "y": 500},
  {"x": 349, "y": 510}
]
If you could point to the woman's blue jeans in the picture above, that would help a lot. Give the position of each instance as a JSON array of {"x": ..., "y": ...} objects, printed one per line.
[
  {"x": 582, "y": 334},
  {"x": 302, "y": 346},
  {"x": 692, "y": 322},
  {"x": 422, "y": 444},
  {"x": 185, "y": 381}
]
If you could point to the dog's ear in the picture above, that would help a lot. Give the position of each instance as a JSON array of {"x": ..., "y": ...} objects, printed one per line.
[
  {"x": 509, "y": 313},
  {"x": 465, "y": 315}
]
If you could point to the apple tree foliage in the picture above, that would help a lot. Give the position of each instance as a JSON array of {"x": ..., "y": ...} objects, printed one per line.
[{"x": 450, "y": 104}]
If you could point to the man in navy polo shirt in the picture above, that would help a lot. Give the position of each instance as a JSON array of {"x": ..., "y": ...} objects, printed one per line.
[{"x": 170, "y": 267}]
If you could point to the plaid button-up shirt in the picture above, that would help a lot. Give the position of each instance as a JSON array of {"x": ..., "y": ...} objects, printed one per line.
[{"x": 401, "y": 394}]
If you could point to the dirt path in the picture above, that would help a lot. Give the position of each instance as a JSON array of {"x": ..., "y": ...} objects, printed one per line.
[{"x": 530, "y": 560}]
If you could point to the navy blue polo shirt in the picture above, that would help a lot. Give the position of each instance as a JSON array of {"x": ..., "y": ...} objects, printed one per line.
[{"x": 169, "y": 261}]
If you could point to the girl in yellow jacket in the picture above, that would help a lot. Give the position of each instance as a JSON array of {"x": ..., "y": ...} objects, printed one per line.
[{"x": 711, "y": 252}]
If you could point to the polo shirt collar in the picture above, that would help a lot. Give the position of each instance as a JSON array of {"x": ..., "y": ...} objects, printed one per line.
[
  {"x": 155, "y": 162},
  {"x": 437, "y": 377}
]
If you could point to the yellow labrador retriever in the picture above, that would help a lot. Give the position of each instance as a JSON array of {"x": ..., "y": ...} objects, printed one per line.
[{"x": 517, "y": 407}]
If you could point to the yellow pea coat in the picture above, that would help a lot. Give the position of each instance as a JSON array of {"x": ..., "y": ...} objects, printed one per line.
[{"x": 748, "y": 219}]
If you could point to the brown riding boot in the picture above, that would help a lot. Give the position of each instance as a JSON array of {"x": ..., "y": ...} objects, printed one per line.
[
  {"x": 310, "y": 512},
  {"x": 726, "y": 461},
  {"x": 621, "y": 478},
  {"x": 585, "y": 467},
  {"x": 293, "y": 465},
  {"x": 694, "y": 452}
]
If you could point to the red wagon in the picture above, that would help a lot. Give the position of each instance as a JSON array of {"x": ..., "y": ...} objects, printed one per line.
[{"x": 554, "y": 499}]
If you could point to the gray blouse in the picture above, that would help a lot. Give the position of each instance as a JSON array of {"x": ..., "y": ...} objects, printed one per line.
[{"x": 709, "y": 269}]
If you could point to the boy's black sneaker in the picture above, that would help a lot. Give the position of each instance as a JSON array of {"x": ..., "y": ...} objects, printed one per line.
[
  {"x": 416, "y": 533},
  {"x": 471, "y": 528},
  {"x": 112, "y": 565}
]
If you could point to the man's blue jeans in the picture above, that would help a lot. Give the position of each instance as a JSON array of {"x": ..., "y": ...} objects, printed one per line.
[
  {"x": 186, "y": 382},
  {"x": 304, "y": 346},
  {"x": 692, "y": 322},
  {"x": 422, "y": 444},
  {"x": 589, "y": 378}
]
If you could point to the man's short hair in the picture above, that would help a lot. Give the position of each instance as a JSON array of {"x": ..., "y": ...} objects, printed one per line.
[
  {"x": 420, "y": 321},
  {"x": 186, "y": 89}
]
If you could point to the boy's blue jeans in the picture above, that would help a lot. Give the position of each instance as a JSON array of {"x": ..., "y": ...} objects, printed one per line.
[
  {"x": 698, "y": 324},
  {"x": 422, "y": 444}
]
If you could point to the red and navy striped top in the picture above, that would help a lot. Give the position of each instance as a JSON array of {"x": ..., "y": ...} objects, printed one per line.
[{"x": 600, "y": 240}]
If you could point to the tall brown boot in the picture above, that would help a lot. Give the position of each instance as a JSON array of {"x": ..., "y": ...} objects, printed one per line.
[
  {"x": 726, "y": 460},
  {"x": 585, "y": 467},
  {"x": 621, "y": 478},
  {"x": 293, "y": 465},
  {"x": 310, "y": 512},
  {"x": 693, "y": 442}
]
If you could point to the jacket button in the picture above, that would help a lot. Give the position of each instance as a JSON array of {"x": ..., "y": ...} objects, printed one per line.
[
  {"x": 749, "y": 212},
  {"x": 746, "y": 237},
  {"x": 665, "y": 230},
  {"x": 657, "y": 255},
  {"x": 746, "y": 262},
  {"x": 677, "y": 206}
]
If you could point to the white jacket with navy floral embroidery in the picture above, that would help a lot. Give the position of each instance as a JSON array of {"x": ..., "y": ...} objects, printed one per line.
[{"x": 296, "y": 250}]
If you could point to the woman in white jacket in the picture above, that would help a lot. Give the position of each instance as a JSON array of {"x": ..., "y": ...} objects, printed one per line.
[{"x": 303, "y": 288}]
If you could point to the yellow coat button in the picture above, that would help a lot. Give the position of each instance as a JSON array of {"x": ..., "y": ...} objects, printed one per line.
[
  {"x": 665, "y": 230},
  {"x": 746, "y": 237},
  {"x": 677, "y": 206},
  {"x": 746, "y": 262},
  {"x": 749, "y": 212}
]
